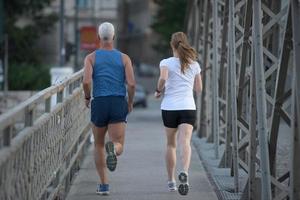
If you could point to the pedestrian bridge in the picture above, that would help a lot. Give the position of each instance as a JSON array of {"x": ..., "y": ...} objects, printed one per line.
[
  {"x": 247, "y": 135},
  {"x": 43, "y": 146}
]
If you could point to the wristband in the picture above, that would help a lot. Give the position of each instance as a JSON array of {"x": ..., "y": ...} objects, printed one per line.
[
  {"x": 87, "y": 98},
  {"x": 157, "y": 91}
]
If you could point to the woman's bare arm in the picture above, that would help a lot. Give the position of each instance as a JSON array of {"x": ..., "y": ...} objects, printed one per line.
[
  {"x": 164, "y": 73},
  {"x": 198, "y": 84}
]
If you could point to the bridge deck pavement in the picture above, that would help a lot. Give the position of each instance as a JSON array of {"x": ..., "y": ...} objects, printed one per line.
[{"x": 141, "y": 174}]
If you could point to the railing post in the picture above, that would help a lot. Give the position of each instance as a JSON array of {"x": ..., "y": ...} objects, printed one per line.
[
  {"x": 29, "y": 117},
  {"x": 71, "y": 88},
  {"x": 48, "y": 105},
  {"x": 7, "y": 136},
  {"x": 60, "y": 96}
]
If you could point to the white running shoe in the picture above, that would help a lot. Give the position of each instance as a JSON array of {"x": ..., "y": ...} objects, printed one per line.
[{"x": 172, "y": 186}]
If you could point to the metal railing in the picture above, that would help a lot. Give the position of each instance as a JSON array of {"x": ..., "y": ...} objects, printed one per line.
[
  {"x": 38, "y": 160},
  {"x": 250, "y": 56}
]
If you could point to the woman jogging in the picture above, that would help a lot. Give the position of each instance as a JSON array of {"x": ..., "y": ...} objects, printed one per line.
[
  {"x": 179, "y": 77},
  {"x": 108, "y": 69}
]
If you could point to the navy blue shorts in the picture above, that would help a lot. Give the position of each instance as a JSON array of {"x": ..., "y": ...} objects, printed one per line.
[
  {"x": 173, "y": 118},
  {"x": 109, "y": 109}
]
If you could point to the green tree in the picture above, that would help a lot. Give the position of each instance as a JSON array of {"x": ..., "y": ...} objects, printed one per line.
[
  {"x": 25, "y": 22},
  {"x": 168, "y": 19}
]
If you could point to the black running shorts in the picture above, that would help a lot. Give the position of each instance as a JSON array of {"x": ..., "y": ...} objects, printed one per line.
[{"x": 173, "y": 118}]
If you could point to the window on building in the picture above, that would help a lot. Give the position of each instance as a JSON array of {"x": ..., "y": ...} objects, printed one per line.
[{"x": 84, "y": 3}]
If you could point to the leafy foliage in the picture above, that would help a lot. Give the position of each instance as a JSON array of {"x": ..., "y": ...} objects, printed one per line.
[
  {"x": 25, "y": 22},
  {"x": 169, "y": 19},
  {"x": 28, "y": 77}
]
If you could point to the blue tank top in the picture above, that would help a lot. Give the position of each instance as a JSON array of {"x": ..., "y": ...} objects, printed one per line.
[{"x": 108, "y": 74}]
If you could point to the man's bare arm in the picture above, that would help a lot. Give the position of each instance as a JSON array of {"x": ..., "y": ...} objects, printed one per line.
[
  {"x": 129, "y": 74},
  {"x": 87, "y": 75}
]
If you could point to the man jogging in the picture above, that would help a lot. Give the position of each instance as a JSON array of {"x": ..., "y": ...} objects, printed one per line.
[{"x": 109, "y": 70}]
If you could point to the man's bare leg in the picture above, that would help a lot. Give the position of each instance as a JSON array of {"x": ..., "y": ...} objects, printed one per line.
[
  {"x": 116, "y": 133},
  {"x": 99, "y": 155}
]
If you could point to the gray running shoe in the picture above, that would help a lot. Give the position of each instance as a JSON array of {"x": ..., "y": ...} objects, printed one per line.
[
  {"x": 183, "y": 188},
  {"x": 111, "y": 159}
]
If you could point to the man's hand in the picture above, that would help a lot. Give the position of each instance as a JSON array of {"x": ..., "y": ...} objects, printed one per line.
[
  {"x": 130, "y": 107},
  {"x": 87, "y": 103}
]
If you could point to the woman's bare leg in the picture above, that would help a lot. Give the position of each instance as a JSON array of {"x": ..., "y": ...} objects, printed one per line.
[
  {"x": 171, "y": 152},
  {"x": 185, "y": 135}
]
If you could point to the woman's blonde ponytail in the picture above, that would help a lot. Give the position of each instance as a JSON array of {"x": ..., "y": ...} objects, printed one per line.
[{"x": 186, "y": 53}]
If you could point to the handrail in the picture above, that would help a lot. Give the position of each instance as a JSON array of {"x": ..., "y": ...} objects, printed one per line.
[
  {"x": 8, "y": 119},
  {"x": 41, "y": 158}
]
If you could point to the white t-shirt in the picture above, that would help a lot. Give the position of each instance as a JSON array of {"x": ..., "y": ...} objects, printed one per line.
[{"x": 179, "y": 87}]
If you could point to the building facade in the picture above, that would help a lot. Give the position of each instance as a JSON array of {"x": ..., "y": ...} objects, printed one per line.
[
  {"x": 90, "y": 13},
  {"x": 131, "y": 18}
]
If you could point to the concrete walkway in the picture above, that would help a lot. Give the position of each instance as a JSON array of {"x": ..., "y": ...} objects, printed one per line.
[{"x": 141, "y": 173}]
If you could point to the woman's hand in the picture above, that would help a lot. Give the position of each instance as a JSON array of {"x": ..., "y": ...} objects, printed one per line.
[
  {"x": 161, "y": 81},
  {"x": 157, "y": 94}
]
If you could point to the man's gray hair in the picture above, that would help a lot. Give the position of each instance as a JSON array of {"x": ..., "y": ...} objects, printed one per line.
[{"x": 106, "y": 31}]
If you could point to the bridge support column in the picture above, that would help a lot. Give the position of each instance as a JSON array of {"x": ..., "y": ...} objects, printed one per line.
[
  {"x": 295, "y": 173},
  {"x": 261, "y": 100}
]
